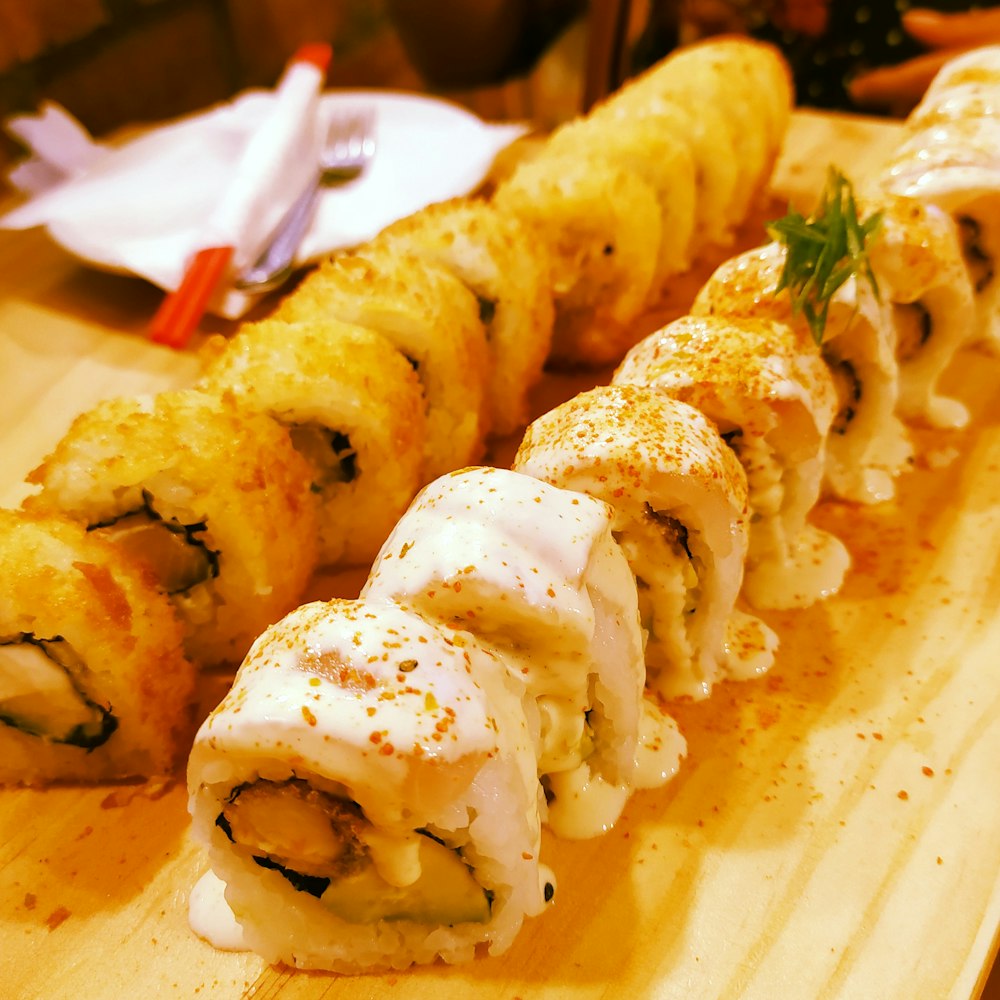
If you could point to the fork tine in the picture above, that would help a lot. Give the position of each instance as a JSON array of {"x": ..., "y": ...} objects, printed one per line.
[
  {"x": 348, "y": 147},
  {"x": 350, "y": 141}
]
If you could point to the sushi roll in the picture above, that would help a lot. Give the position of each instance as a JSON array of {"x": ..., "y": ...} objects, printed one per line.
[
  {"x": 746, "y": 87},
  {"x": 679, "y": 498},
  {"x": 599, "y": 223},
  {"x": 952, "y": 166},
  {"x": 431, "y": 318},
  {"x": 924, "y": 281},
  {"x": 750, "y": 84},
  {"x": 661, "y": 158},
  {"x": 768, "y": 392},
  {"x": 868, "y": 445},
  {"x": 703, "y": 129},
  {"x": 211, "y": 496},
  {"x": 534, "y": 573},
  {"x": 94, "y": 683},
  {"x": 493, "y": 255},
  {"x": 948, "y": 160},
  {"x": 354, "y": 409},
  {"x": 367, "y": 794},
  {"x": 964, "y": 87}
]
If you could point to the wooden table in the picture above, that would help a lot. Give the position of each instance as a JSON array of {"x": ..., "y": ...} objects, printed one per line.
[{"x": 834, "y": 833}]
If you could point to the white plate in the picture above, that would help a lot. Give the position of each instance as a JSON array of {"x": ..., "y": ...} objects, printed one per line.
[
  {"x": 140, "y": 207},
  {"x": 426, "y": 151}
]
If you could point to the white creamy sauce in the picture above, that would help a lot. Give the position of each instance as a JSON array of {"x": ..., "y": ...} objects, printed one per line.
[
  {"x": 498, "y": 543},
  {"x": 396, "y": 858},
  {"x": 661, "y": 747},
  {"x": 943, "y": 411},
  {"x": 211, "y": 917},
  {"x": 529, "y": 568},
  {"x": 749, "y": 646},
  {"x": 813, "y": 568},
  {"x": 561, "y": 734},
  {"x": 585, "y": 804}
]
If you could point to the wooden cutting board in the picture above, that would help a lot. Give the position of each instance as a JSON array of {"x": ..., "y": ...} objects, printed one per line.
[{"x": 834, "y": 833}]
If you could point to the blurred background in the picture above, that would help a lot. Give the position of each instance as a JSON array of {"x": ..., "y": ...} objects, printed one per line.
[{"x": 120, "y": 62}]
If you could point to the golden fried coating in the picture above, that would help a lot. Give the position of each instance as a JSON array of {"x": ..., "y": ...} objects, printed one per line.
[
  {"x": 94, "y": 683},
  {"x": 355, "y": 410},
  {"x": 211, "y": 495}
]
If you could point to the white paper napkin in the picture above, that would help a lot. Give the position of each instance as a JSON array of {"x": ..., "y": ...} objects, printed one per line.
[{"x": 141, "y": 208}]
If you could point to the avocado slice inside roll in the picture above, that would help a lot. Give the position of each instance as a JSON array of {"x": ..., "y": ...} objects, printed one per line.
[
  {"x": 180, "y": 559},
  {"x": 330, "y": 452},
  {"x": 42, "y": 693},
  {"x": 324, "y": 845}
]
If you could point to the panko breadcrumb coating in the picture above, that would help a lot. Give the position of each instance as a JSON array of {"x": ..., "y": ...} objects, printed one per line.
[
  {"x": 661, "y": 158},
  {"x": 508, "y": 272},
  {"x": 211, "y": 495},
  {"x": 428, "y": 315},
  {"x": 600, "y": 224},
  {"x": 94, "y": 683},
  {"x": 355, "y": 410}
]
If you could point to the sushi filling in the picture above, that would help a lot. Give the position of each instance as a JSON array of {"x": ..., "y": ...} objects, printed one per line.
[
  {"x": 765, "y": 476},
  {"x": 487, "y": 310},
  {"x": 566, "y": 739},
  {"x": 913, "y": 329},
  {"x": 174, "y": 551},
  {"x": 977, "y": 260},
  {"x": 328, "y": 451},
  {"x": 43, "y": 693},
  {"x": 324, "y": 845},
  {"x": 849, "y": 391},
  {"x": 667, "y": 585}
]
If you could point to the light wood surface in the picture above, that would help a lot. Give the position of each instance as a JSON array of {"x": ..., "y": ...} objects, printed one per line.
[{"x": 834, "y": 833}]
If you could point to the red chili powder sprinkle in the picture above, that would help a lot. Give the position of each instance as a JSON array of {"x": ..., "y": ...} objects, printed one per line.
[{"x": 56, "y": 917}]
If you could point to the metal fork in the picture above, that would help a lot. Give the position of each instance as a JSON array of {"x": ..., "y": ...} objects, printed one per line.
[{"x": 347, "y": 150}]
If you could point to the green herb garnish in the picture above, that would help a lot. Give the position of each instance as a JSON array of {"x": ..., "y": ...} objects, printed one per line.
[{"x": 824, "y": 250}]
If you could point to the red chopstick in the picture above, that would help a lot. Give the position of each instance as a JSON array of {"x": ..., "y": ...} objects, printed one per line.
[
  {"x": 176, "y": 319},
  {"x": 180, "y": 312}
]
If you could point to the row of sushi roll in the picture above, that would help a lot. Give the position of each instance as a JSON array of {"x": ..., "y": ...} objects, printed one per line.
[
  {"x": 381, "y": 769},
  {"x": 308, "y": 433},
  {"x": 522, "y": 631}
]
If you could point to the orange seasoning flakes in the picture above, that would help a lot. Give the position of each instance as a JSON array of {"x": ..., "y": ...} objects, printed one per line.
[
  {"x": 345, "y": 675},
  {"x": 58, "y": 916},
  {"x": 308, "y": 716}
]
